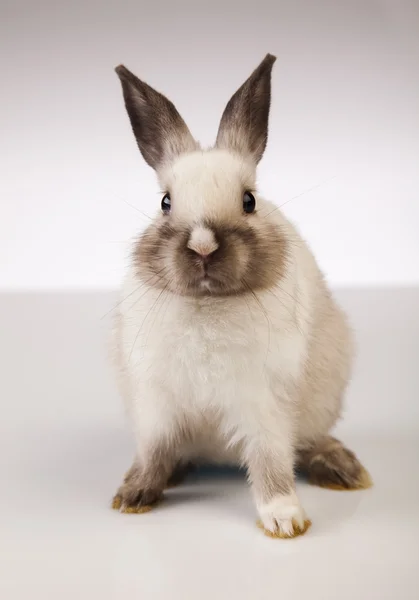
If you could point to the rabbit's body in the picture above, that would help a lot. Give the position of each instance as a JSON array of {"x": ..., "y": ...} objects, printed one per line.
[
  {"x": 229, "y": 346},
  {"x": 207, "y": 361}
]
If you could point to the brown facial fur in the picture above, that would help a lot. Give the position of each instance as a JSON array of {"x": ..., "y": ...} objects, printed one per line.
[
  {"x": 252, "y": 251},
  {"x": 251, "y": 256}
]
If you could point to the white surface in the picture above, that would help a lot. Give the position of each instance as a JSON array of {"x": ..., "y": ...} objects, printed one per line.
[
  {"x": 345, "y": 98},
  {"x": 65, "y": 448}
]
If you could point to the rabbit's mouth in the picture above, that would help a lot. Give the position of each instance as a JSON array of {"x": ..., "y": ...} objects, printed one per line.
[
  {"x": 206, "y": 283},
  {"x": 211, "y": 284}
]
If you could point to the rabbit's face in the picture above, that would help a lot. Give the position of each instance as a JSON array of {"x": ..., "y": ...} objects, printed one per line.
[{"x": 214, "y": 235}]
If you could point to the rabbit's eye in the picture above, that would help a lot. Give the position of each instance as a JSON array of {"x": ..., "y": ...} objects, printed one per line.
[
  {"x": 249, "y": 202},
  {"x": 166, "y": 203}
]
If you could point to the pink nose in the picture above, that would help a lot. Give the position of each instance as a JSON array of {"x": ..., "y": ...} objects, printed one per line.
[
  {"x": 205, "y": 257},
  {"x": 202, "y": 242}
]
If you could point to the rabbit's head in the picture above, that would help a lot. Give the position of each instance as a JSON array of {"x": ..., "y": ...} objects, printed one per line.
[{"x": 213, "y": 234}]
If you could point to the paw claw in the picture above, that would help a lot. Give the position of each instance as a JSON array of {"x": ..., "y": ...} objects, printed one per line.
[
  {"x": 362, "y": 482},
  {"x": 291, "y": 530},
  {"x": 283, "y": 517},
  {"x": 117, "y": 502},
  {"x": 137, "y": 508},
  {"x": 335, "y": 467}
]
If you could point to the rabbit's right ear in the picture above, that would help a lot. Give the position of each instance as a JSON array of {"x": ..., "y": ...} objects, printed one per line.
[
  {"x": 244, "y": 124},
  {"x": 160, "y": 131}
]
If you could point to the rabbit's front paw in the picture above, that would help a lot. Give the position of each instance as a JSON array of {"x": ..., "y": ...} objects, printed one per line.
[
  {"x": 141, "y": 502},
  {"x": 136, "y": 495},
  {"x": 283, "y": 517}
]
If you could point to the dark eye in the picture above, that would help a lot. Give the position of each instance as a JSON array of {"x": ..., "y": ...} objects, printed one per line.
[
  {"x": 166, "y": 203},
  {"x": 249, "y": 202}
]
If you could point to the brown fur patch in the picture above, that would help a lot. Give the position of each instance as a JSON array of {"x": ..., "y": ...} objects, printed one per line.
[
  {"x": 138, "y": 510},
  {"x": 251, "y": 255},
  {"x": 363, "y": 482},
  {"x": 283, "y": 536},
  {"x": 179, "y": 474},
  {"x": 244, "y": 123},
  {"x": 117, "y": 504},
  {"x": 143, "y": 486},
  {"x": 331, "y": 465},
  {"x": 160, "y": 131}
]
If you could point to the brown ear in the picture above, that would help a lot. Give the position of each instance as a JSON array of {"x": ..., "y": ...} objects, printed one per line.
[
  {"x": 244, "y": 124},
  {"x": 160, "y": 131}
]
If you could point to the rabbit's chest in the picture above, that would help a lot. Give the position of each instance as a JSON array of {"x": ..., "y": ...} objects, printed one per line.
[
  {"x": 207, "y": 357},
  {"x": 207, "y": 361}
]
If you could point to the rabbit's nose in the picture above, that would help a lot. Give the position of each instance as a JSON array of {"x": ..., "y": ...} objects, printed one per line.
[
  {"x": 204, "y": 258},
  {"x": 202, "y": 241}
]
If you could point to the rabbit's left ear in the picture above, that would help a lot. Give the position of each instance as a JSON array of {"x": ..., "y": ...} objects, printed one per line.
[
  {"x": 160, "y": 131},
  {"x": 244, "y": 124}
]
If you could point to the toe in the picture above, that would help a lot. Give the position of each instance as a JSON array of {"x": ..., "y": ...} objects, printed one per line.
[
  {"x": 117, "y": 502},
  {"x": 137, "y": 510},
  {"x": 286, "y": 529},
  {"x": 142, "y": 502},
  {"x": 283, "y": 517}
]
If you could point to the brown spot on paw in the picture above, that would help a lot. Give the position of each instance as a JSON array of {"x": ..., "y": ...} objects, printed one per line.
[
  {"x": 334, "y": 481},
  {"x": 137, "y": 510},
  {"x": 329, "y": 464},
  {"x": 297, "y": 530},
  {"x": 117, "y": 502},
  {"x": 135, "y": 503}
]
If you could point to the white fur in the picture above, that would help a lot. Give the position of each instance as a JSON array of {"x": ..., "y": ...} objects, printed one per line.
[
  {"x": 278, "y": 515},
  {"x": 207, "y": 184},
  {"x": 233, "y": 372}
]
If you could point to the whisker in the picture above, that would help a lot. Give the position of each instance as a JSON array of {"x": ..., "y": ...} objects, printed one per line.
[
  {"x": 248, "y": 306},
  {"x": 134, "y": 207},
  {"x": 265, "y": 314},
  {"x": 144, "y": 320},
  {"x": 314, "y": 187},
  {"x": 292, "y": 315},
  {"x": 143, "y": 283},
  {"x": 309, "y": 190},
  {"x": 157, "y": 312},
  {"x": 150, "y": 287},
  {"x": 121, "y": 301},
  {"x": 293, "y": 298}
]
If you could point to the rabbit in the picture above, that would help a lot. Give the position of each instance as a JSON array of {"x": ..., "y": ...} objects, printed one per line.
[{"x": 229, "y": 347}]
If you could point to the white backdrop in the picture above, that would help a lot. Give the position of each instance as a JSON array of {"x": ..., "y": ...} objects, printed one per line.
[{"x": 344, "y": 115}]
